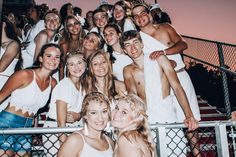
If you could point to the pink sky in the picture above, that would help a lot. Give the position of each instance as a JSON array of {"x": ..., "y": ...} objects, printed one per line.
[{"x": 207, "y": 19}]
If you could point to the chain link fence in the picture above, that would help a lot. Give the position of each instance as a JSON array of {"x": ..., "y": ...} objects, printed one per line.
[
  {"x": 207, "y": 51},
  {"x": 212, "y": 139}
]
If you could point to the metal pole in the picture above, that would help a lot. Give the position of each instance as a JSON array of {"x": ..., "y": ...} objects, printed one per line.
[{"x": 224, "y": 81}]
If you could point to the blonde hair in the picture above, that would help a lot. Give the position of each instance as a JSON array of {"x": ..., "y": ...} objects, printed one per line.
[{"x": 138, "y": 127}]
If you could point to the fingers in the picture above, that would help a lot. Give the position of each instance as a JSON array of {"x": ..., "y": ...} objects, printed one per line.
[
  {"x": 191, "y": 123},
  {"x": 233, "y": 116},
  {"x": 154, "y": 55}
]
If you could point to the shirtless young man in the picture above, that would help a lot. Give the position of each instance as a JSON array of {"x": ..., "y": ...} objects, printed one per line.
[
  {"x": 172, "y": 44},
  {"x": 159, "y": 101},
  {"x": 134, "y": 75}
]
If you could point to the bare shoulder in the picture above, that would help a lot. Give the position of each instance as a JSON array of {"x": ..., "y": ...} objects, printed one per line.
[
  {"x": 74, "y": 140},
  {"x": 72, "y": 146},
  {"x": 124, "y": 147},
  {"x": 14, "y": 44},
  {"x": 41, "y": 35},
  {"x": 123, "y": 141},
  {"x": 25, "y": 74},
  {"x": 129, "y": 68}
]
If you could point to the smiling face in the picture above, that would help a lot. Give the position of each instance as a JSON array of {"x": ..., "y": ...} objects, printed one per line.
[
  {"x": 52, "y": 21},
  {"x": 51, "y": 58},
  {"x": 73, "y": 26},
  {"x": 91, "y": 42},
  {"x": 76, "y": 65},
  {"x": 121, "y": 116},
  {"x": 97, "y": 115},
  {"x": 100, "y": 19},
  {"x": 119, "y": 13},
  {"x": 99, "y": 66},
  {"x": 141, "y": 17},
  {"x": 111, "y": 36},
  {"x": 133, "y": 48}
]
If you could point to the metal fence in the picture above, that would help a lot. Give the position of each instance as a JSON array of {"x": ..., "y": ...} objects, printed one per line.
[
  {"x": 212, "y": 139},
  {"x": 217, "y": 56}
]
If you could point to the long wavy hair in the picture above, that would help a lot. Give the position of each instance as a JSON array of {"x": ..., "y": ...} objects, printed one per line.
[
  {"x": 138, "y": 128},
  {"x": 67, "y": 37},
  {"x": 91, "y": 79}
]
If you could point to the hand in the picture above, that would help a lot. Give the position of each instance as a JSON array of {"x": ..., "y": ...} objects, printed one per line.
[
  {"x": 156, "y": 54},
  {"x": 173, "y": 63},
  {"x": 233, "y": 115},
  {"x": 191, "y": 123},
  {"x": 71, "y": 117}
]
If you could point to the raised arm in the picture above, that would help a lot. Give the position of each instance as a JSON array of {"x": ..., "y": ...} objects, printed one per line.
[{"x": 40, "y": 40}]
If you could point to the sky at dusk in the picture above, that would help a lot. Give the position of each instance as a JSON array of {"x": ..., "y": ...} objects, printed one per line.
[{"x": 207, "y": 19}]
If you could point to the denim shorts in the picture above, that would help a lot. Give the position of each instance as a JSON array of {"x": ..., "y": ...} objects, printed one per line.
[{"x": 16, "y": 143}]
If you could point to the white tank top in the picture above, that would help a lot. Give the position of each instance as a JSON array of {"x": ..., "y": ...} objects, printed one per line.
[
  {"x": 30, "y": 99},
  {"x": 89, "y": 151}
]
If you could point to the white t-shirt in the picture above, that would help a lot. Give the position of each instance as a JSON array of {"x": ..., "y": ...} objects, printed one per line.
[
  {"x": 121, "y": 61},
  {"x": 66, "y": 91}
]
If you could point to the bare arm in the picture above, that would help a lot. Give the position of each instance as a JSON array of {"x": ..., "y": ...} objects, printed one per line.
[
  {"x": 129, "y": 80},
  {"x": 178, "y": 90},
  {"x": 64, "y": 48},
  {"x": 178, "y": 43},
  {"x": 13, "y": 49},
  {"x": 61, "y": 117},
  {"x": 40, "y": 40},
  {"x": 13, "y": 83}
]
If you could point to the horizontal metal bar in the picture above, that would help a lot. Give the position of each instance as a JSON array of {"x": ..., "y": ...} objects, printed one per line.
[{"x": 73, "y": 129}]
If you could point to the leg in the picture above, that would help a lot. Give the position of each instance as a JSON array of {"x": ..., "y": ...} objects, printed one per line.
[{"x": 193, "y": 140}]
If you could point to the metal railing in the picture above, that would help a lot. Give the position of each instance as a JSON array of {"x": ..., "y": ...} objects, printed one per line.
[
  {"x": 213, "y": 139},
  {"x": 217, "y": 56}
]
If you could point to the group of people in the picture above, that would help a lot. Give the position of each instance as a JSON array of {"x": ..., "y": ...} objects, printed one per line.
[{"x": 120, "y": 66}]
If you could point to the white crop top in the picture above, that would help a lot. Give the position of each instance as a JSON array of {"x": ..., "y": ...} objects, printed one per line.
[
  {"x": 90, "y": 151},
  {"x": 30, "y": 99}
]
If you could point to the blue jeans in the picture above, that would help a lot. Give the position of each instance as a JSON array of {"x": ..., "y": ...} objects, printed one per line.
[{"x": 16, "y": 143}]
